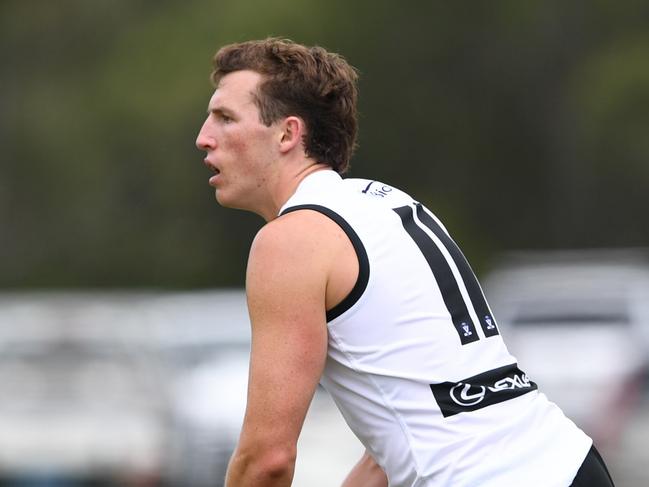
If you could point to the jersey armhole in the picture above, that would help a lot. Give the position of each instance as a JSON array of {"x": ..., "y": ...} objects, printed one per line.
[{"x": 363, "y": 262}]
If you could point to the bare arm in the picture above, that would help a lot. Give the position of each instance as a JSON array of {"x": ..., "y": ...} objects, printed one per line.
[
  {"x": 366, "y": 473},
  {"x": 286, "y": 286}
]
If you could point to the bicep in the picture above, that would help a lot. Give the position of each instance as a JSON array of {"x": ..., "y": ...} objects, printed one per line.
[{"x": 286, "y": 294}]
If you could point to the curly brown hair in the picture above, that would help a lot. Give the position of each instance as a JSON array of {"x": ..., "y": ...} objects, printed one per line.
[{"x": 309, "y": 82}]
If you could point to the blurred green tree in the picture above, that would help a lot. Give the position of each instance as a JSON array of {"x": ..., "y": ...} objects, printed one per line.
[{"x": 522, "y": 124}]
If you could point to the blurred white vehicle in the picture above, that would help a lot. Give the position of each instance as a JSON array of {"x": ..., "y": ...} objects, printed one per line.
[
  {"x": 578, "y": 324},
  {"x": 80, "y": 405},
  {"x": 121, "y": 389},
  {"x": 203, "y": 339}
]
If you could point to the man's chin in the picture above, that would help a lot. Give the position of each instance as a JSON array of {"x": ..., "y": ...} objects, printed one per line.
[
  {"x": 226, "y": 202},
  {"x": 220, "y": 199}
]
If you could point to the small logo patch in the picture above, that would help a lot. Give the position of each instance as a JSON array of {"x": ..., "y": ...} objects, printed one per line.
[
  {"x": 489, "y": 322},
  {"x": 466, "y": 328}
]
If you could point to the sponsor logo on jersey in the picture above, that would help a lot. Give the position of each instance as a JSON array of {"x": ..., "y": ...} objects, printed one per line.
[
  {"x": 381, "y": 192},
  {"x": 482, "y": 390},
  {"x": 461, "y": 394}
]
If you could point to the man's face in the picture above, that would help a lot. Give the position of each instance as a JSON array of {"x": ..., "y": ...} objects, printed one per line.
[{"x": 240, "y": 149}]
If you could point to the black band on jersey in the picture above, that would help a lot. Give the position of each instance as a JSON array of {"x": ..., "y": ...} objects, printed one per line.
[
  {"x": 361, "y": 254},
  {"x": 485, "y": 317},
  {"x": 443, "y": 274},
  {"x": 482, "y": 390}
]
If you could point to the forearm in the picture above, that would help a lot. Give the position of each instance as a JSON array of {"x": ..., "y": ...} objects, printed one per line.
[
  {"x": 366, "y": 473},
  {"x": 245, "y": 471}
]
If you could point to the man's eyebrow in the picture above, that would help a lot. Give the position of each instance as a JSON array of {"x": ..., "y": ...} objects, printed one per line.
[{"x": 219, "y": 110}]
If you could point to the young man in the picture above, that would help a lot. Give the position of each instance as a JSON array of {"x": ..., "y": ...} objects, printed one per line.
[{"x": 354, "y": 284}]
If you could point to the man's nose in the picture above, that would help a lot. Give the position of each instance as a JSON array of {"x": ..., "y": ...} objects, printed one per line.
[{"x": 203, "y": 141}]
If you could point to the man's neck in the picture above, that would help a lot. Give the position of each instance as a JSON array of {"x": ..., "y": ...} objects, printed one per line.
[{"x": 289, "y": 185}]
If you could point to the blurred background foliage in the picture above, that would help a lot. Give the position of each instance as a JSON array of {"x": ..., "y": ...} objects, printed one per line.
[{"x": 521, "y": 124}]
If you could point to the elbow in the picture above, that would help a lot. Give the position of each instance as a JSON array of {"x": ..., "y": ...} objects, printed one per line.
[
  {"x": 277, "y": 464},
  {"x": 266, "y": 466}
]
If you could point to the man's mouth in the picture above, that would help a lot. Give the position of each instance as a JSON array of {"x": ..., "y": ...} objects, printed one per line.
[
  {"x": 213, "y": 180},
  {"x": 211, "y": 167}
]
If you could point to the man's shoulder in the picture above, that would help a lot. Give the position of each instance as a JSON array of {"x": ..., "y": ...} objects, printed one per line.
[
  {"x": 303, "y": 229},
  {"x": 295, "y": 253}
]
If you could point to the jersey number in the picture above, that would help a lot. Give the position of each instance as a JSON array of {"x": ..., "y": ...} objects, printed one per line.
[{"x": 446, "y": 280}]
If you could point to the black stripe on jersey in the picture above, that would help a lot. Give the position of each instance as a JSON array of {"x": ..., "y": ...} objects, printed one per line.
[
  {"x": 361, "y": 253},
  {"x": 443, "y": 275},
  {"x": 482, "y": 390},
  {"x": 468, "y": 276}
]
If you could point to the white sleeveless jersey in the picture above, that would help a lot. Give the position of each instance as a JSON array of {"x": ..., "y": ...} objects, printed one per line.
[{"x": 415, "y": 361}]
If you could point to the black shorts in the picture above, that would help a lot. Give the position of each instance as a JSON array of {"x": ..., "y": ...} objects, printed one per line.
[{"x": 593, "y": 472}]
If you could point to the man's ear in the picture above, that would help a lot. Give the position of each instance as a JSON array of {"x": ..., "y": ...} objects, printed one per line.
[{"x": 293, "y": 129}]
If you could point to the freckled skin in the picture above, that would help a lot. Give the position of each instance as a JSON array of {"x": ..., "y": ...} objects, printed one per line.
[{"x": 238, "y": 144}]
